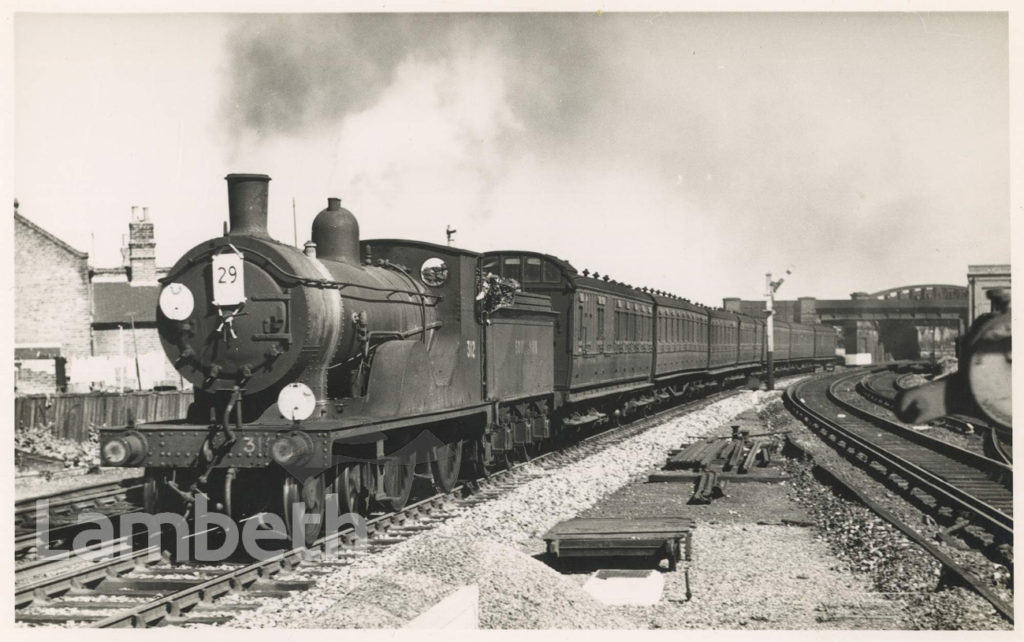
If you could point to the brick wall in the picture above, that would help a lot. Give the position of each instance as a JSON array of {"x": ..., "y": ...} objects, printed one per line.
[
  {"x": 51, "y": 292},
  {"x": 35, "y": 377}
]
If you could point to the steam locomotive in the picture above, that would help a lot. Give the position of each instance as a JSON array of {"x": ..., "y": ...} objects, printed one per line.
[{"x": 352, "y": 367}]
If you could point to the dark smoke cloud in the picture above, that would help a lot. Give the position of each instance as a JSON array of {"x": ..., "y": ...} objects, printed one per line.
[{"x": 291, "y": 74}]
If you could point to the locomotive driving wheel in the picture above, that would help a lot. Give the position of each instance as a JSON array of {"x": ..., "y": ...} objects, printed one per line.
[
  {"x": 446, "y": 464},
  {"x": 349, "y": 487},
  {"x": 399, "y": 474},
  {"x": 311, "y": 493}
]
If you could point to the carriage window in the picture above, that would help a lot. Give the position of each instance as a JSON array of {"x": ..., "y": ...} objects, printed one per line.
[
  {"x": 531, "y": 271},
  {"x": 600, "y": 322},
  {"x": 513, "y": 269},
  {"x": 492, "y": 265}
]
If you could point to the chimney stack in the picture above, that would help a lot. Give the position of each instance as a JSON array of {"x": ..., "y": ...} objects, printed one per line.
[{"x": 141, "y": 249}]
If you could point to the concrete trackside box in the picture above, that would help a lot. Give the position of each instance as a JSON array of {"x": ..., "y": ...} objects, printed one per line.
[{"x": 520, "y": 348}]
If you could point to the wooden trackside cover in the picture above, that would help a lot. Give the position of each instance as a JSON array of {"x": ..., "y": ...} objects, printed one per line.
[{"x": 617, "y": 527}]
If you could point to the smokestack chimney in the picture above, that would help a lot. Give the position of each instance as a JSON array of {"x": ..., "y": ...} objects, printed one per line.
[{"x": 247, "y": 204}]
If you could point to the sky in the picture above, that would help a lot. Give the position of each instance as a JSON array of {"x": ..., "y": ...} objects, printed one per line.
[{"x": 685, "y": 152}]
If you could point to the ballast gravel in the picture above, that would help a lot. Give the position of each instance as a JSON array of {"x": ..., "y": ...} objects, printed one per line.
[
  {"x": 516, "y": 591},
  {"x": 27, "y": 487},
  {"x": 515, "y": 519}
]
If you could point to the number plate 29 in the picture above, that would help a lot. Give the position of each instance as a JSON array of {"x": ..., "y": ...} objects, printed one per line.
[{"x": 228, "y": 284}]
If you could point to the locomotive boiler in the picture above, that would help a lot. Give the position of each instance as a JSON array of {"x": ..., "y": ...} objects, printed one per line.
[{"x": 246, "y": 313}]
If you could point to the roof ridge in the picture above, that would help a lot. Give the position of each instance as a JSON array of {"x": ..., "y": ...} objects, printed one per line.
[{"x": 35, "y": 226}]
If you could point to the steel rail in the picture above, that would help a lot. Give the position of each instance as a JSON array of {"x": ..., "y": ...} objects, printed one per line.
[
  {"x": 46, "y": 588},
  {"x": 91, "y": 494},
  {"x": 998, "y": 523},
  {"x": 996, "y": 437},
  {"x": 966, "y": 576},
  {"x": 1000, "y": 470}
]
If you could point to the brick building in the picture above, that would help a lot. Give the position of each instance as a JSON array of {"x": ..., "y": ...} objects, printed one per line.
[
  {"x": 51, "y": 294},
  {"x": 102, "y": 320},
  {"x": 981, "y": 279}
]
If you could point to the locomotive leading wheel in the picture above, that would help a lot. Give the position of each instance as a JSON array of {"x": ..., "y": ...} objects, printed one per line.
[
  {"x": 151, "y": 492},
  {"x": 349, "y": 487},
  {"x": 399, "y": 473},
  {"x": 310, "y": 493},
  {"x": 446, "y": 464}
]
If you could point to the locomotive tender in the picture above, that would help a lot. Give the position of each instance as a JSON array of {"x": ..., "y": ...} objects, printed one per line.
[{"x": 350, "y": 365}]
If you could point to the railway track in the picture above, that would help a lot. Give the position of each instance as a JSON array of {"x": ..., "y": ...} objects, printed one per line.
[
  {"x": 64, "y": 509},
  {"x": 882, "y": 387},
  {"x": 968, "y": 494},
  {"x": 144, "y": 588}
]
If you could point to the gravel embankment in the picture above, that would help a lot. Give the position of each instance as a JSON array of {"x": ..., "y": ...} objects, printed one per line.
[
  {"x": 516, "y": 519},
  {"x": 868, "y": 545}
]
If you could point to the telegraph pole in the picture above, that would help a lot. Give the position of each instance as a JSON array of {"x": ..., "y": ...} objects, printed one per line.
[
  {"x": 135, "y": 346},
  {"x": 295, "y": 224},
  {"x": 770, "y": 330}
]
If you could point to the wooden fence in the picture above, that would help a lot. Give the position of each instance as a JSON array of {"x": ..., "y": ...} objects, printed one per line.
[{"x": 71, "y": 415}]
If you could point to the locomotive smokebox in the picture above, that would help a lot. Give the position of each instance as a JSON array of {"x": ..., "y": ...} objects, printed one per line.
[
  {"x": 247, "y": 204},
  {"x": 336, "y": 233}
]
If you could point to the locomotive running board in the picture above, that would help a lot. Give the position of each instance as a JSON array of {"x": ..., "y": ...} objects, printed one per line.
[
  {"x": 574, "y": 397},
  {"x": 359, "y": 431}
]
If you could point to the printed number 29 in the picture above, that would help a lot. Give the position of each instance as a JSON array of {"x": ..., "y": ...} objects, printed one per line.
[
  {"x": 228, "y": 274},
  {"x": 471, "y": 349}
]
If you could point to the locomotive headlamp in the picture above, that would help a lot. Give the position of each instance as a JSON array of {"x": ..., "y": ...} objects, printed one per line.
[
  {"x": 126, "y": 450},
  {"x": 296, "y": 402},
  {"x": 176, "y": 302},
  {"x": 292, "y": 449}
]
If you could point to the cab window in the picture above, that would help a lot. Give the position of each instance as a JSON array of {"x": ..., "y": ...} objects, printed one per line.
[
  {"x": 531, "y": 270},
  {"x": 513, "y": 268}
]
